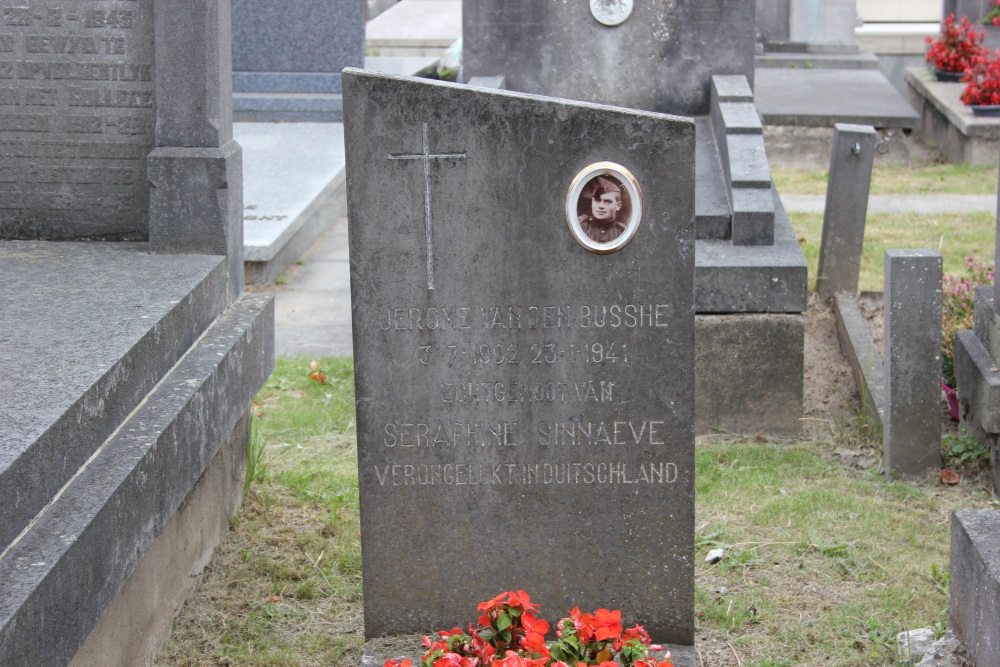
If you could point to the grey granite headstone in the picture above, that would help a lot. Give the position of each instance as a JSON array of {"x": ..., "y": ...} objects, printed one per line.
[
  {"x": 661, "y": 57},
  {"x": 525, "y": 406},
  {"x": 287, "y": 57},
  {"x": 76, "y": 119}
]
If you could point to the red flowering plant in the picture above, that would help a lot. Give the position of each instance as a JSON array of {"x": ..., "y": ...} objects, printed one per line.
[
  {"x": 509, "y": 634},
  {"x": 956, "y": 46},
  {"x": 982, "y": 79}
]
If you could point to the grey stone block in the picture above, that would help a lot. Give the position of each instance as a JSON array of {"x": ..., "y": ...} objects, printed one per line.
[
  {"x": 672, "y": 49},
  {"x": 730, "y": 88},
  {"x": 851, "y": 159},
  {"x": 294, "y": 190},
  {"x": 740, "y": 118},
  {"x": 126, "y": 335},
  {"x": 286, "y": 82},
  {"x": 711, "y": 200},
  {"x": 62, "y": 574},
  {"x": 308, "y": 36},
  {"x": 811, "y": 60},
  {"x": 911, "y": 436},
  {"x": 139, "y": 621},
  {"x": 749, "y": 373},
  {"x": 752, "y": 279},
  {"x": 747, "y": 161},
  {"x": 194, "y": 85},
  {"x": 290, "y": 107},
  {"x": 815, "y": 97},
  {"x": 974, "y": 589},
  {"x": 978, "y": 378},
  {"x": 195, "y": 205},
  {"x": 287, "y": 58},
  {"x": 857, "y": 345},
  {"x": 985, "y": 323},
  {"x": 946, "y": 121},
  {"x": 753, "y": 217},
  {"x": 496, "y": 175}
]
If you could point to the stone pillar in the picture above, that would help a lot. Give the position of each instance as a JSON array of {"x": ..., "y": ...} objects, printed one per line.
[
  {"x": 911, "y": 437},
  {"x": 847, "y": 188},
  {"x": 196, "y": 198}
]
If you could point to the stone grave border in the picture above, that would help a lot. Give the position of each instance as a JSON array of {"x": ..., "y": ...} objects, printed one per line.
[{"x": 900, "y": 388}]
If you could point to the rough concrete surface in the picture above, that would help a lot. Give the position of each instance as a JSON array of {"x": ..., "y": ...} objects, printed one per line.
[{"x": 139, "y": 620}]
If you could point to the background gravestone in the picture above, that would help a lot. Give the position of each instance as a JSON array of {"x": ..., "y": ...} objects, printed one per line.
[
  {"x": 287, "y": 57},
  {"x": 116, "y": 125},
  {"x": 76, "y": 120},
  {"x": 525, "y": 406},
  {"x": 660, "y": 58}
]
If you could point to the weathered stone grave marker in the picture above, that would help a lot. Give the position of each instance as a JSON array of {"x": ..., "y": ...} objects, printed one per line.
[
  {"x": 118, "y": 479},
  {"x": 525, "y": 393}
]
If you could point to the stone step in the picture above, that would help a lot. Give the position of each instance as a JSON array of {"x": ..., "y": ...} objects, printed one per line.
[
  {"x": 84, "y": 344},
  {"x": 61, "y": 574},
  {"x": 974, "y": 595}
]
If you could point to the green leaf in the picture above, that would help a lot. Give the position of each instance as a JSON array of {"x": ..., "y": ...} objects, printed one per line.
[{"x": 503, "y": 621}]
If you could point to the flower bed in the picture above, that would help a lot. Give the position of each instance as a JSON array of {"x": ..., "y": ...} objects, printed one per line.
[{"x": 510, "y": 634}]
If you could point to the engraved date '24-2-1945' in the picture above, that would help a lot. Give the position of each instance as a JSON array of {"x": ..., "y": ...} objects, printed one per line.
[{"x": 533, "y": 353}]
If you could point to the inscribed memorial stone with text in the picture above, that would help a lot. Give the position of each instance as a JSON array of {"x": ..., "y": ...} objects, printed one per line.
[
  {"x": 76, "y": 119},
  {"x": 525, "y": 406}
]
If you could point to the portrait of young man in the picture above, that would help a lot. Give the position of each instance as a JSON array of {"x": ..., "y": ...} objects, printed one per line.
[{"x": 604, "y": 209}]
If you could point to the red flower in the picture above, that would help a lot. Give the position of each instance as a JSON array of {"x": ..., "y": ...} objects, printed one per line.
[
  {"x": 604, "y": 624},
  {"x": 955, "y": 48}
]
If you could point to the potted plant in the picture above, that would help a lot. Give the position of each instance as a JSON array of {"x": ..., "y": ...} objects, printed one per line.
[
  {"x": 953, "y": 50},
  {"x": 982, "y": 84}
]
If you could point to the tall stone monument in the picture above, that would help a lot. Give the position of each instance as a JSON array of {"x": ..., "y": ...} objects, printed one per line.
[
  {"x": 127, "y": 367},
  {"x": 644, "y": 55},
  {"x": 522, "y": 275}
]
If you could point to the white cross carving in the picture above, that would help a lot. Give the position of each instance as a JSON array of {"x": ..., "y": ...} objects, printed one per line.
[{"x": 425, "y": 157}]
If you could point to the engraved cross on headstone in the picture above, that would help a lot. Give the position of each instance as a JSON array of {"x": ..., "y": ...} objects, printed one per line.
[{"x": 426, "y": 156}]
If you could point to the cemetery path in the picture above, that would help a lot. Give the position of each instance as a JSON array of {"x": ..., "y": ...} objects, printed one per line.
[
  {"x": 937, "y": 203},
  {"x": 312, "y": 300}
]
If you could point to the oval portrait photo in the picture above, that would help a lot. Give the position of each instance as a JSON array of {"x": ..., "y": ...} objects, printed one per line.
[{"x": 603, "y": 207}]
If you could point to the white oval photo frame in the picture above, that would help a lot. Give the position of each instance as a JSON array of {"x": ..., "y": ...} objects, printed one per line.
[{"x": 630, "y": 184}]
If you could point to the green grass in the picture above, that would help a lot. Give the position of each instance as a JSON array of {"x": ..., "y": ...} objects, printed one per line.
[
  {"x": 923, "y": 179},
  {"x": 824, "y": 562},
  {"x": 956, "y": 236},
  {"x": 284, "y": 588}
]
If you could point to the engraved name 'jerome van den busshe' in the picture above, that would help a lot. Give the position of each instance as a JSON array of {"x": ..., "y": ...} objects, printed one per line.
[{"x": 524, "y": 400}]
